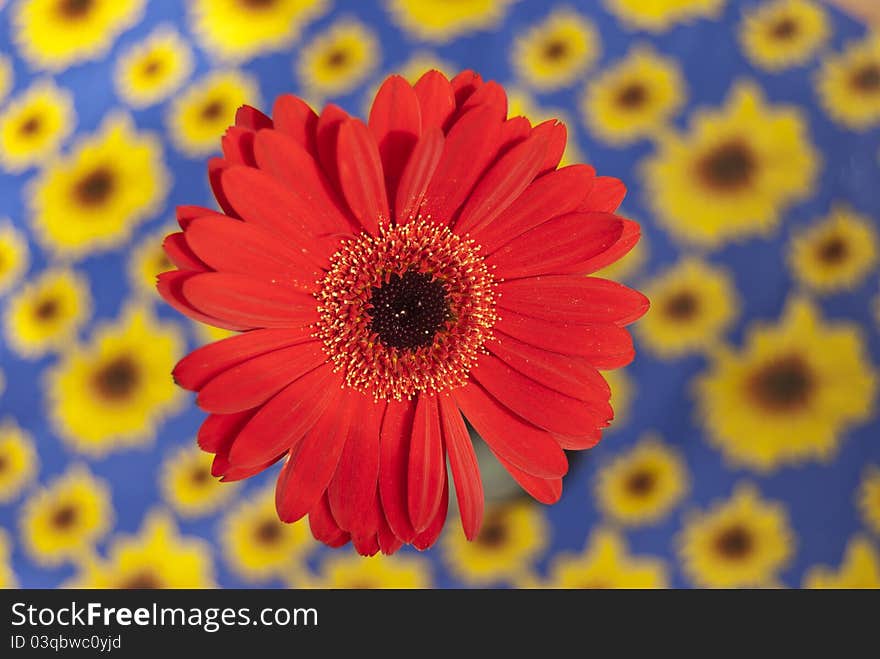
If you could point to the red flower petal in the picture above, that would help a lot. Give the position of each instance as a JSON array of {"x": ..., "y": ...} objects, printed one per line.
[
  {"x": 556, "y": 193},
  {"x": 180, "y": 254},
  {"x": 464, "y": 85},
  {"x": 251, "y": 118},
  {"x": 324, "y": 528},
  {"x": 629, "y": 236},
  {"x": 541, "y": 406},
  {"x": 352, "y": 491},
  {"x": 294, "y": 117},
  {"x": 557, "y": 136},
  {"x": 491, "y": 96},
  {"x": 298, "y": 171},
  {"x": 249, "y": 302},
  {"x": 282, "y": 422},
  {"x": 396, "y": 123},
  {"x": 603, "y": 346},
  {"x": 470, "y": 147},
  {"x": 255, "y": 381},
  {"x": 367, "y": 545},
  {"x": 565, "y": 245},
  {"x": 238, "y": 146},
  {"x": 503, "y": 183},
  {"x": 429, "y": 536},
  {"x": 519, "y": 442},
  {"x": 216, "y": 167},
  {"x": 427, "y": 464},
  {"x": 544, "y": 490},
  {"x": 464, "y": 466},
  {"x": 436, "y": 99},
  {"x": 388, "y": 542},
  {"x": 513, "y": 131},
  {"x": 417, "y": 174},
  {"x": 308, "y": 471},
  {"x": 584, "y": 441},
  {"x": 327, "y": 132},
  {"x": 186, "y": 214},
  {"x": 580, "y": 300},
  {"x": 218, "y": 431},
  {"x": 605, "y": 196},
  {"x": 393, "y": 466},
  {"x": 256, "y": 252},
  {"x": 361, "y": 175},
  {"x": 198, "y": 367},
  {"x": 170, "y": 287}
]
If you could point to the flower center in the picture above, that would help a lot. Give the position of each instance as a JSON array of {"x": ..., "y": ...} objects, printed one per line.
[
  {"x": 785, "y": 29},
  {"x": 268, "y": 532},
  {"x": 151, "y": 66},
  {"x": 555, "y": 50},
  {"x": 257, "y": 4},
  {"x": 337, "y": 58},
  {"x": 729, "y": 166},
  {"x": 212, "y": 110},
  {"x": 407, "y": 310},
  {"x": 734, "y": 542},
  {"x": 682, "y": 306},
  {"x": 64, "y": 517},
  {"x": 493, "y": 534},
  {"x": 117, "y": 379},
  {"x": 47, "y": 309},
  {"x": 3, "y": 464},
  {"x": 833, "y": 251},
  {"x": 640, "y": 483},
  {"x": 143, "y": 579},
  {"x": 632, "y": 96},
  {"x": 74, "y": 8},
  {"x": 867, "y": 79},
  {"x": 30, "y": 126},
  {"x": 199, "y": 476},
  {"x": 782, "y": 385},
  {"x": 94, "y": 188}
]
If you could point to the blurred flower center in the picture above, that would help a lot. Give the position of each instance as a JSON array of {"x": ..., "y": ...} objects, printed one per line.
[
  {"x": 144, "y": 579},
  {"x": 833, "y": 251},
  {"x": 785, "y": 29},
  {"x": 493, "y": 534},
  {"x": 268, "y": 532},
  {"x": 728, "y": 166},
  {"x": 735, "y": 542},
  {"x": 212, "y": 110},
  {"x": 117, "y": 379},
  {"x": 555, "y": 49},
  {"x": 408, "y": 311},
  {"x": 200, "y": 476},
  {"x": 75, "y": 8},
  {"x": 4, "y": 463},
  {"x": 783, "y": 384},
  {"x": 30, "y": 126},
  {"x": 47, "y": 309},
  {"x": 64, "y": 517},
  {"x": 641, "y": 482},
  {"x": 337, "y": 58},
  {"x": 257, "y": 4},
  {"x": 867, "y": 78},
  {"x": 632, "y": 95},
  {"x": 95, "y": 187},
  {"x": 682, "y": 306},
  {"x": 151, "y": 66}
]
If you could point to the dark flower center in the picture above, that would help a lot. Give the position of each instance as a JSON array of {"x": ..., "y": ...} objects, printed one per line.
[
  {"x": 555, "y": 50},
  {"x": 735, "y": 542},
  {"x": 74, "y": 8},
  {"x": 30, "y": 126},
  {"x": 94, "y": 188},
  {"x": 833, "y": 251},
  {"x": 268, "y": 532},
  {"x": 867, "y": 79},
  {"x": 640, "y": 483},
  {"x": 117, "y": 379},
  {"x": 682, "y": 306},
  {"x": 199, "y": 476},
  {"x": 493, "y": 534},
  {"x": 151, "y": 66},
  {"x": 212, "y": 110},
  {"x": 47, "y": 309},
  {"x": 729, "y": 166},
  {"x": 407, "y": 312},
  {"x": 337, "y": 58},
  {"x": 144, "y": 579},
  {"x": 3, "y": 463},
  {"x": 257, "y": 4},
  {"x": 64, "y": 517},
  {"x": 783, "y": 384},
  {"x": 632, "y": 96},
  {"x": 785, "y": 29}
]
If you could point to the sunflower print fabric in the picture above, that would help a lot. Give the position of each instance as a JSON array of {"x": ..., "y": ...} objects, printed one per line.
[{"x": 744, "y": 450}]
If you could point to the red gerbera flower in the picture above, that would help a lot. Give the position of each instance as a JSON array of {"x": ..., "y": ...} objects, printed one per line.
[{"x": 389, "y": 280}]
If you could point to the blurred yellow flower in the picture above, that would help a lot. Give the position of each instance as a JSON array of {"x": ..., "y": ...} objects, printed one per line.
[
  {"x": 634, "y": 98},
  {"x": 556, "y": 52},
  {"x": 860, "y": 568},
  {"x": 241, "y": 29},
  {"x": 92, "y": 198},
  {"x": 621, "y": 396},
  {"x": 743, "y": 542},
  {"x": 401, "y": 571},
  {"x": 201, "y": 114},
  {"x": 521, "y": 103},
  {"x": 660, "y": 15},
  {"x": 53, "y": 34},
  {"x": 34, "y": 124},
  {"x": 187, "y": 485},
  {"x": 150, "y": 70},
  {"x": 7, "y": 76},
  {"x": 692, "y": 304},
  {"x": 257, "y": 545},
  {"x": 790, "y": 394},
  {"x": 337, "y": 60},
  {"x": 642, "y": 485},
  {"x": 869, "y": 498},
  {"x": 14, "y": 255},
  {"x": 157, "y": 557},
  {"x": 606, "y": 563},
  {"x": 7, "y": 576},
  {"x": 849, "y": 84},
  {"x": 147, "y": 259},
  {"x": 733, "y": 173},
  {"x": 784, "y": 33},
  {"x": 208, "y": 333},
  {"x": 513, "y": 537},
  {"x": 65, "y": 518},
  {"x": 441, "y": 20},
  {"x": 835, "y": 254},
  {"x": 47, "y": 312},
  {"x": 18, "y": 460},
  {"x": 112, "y": 392}
]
